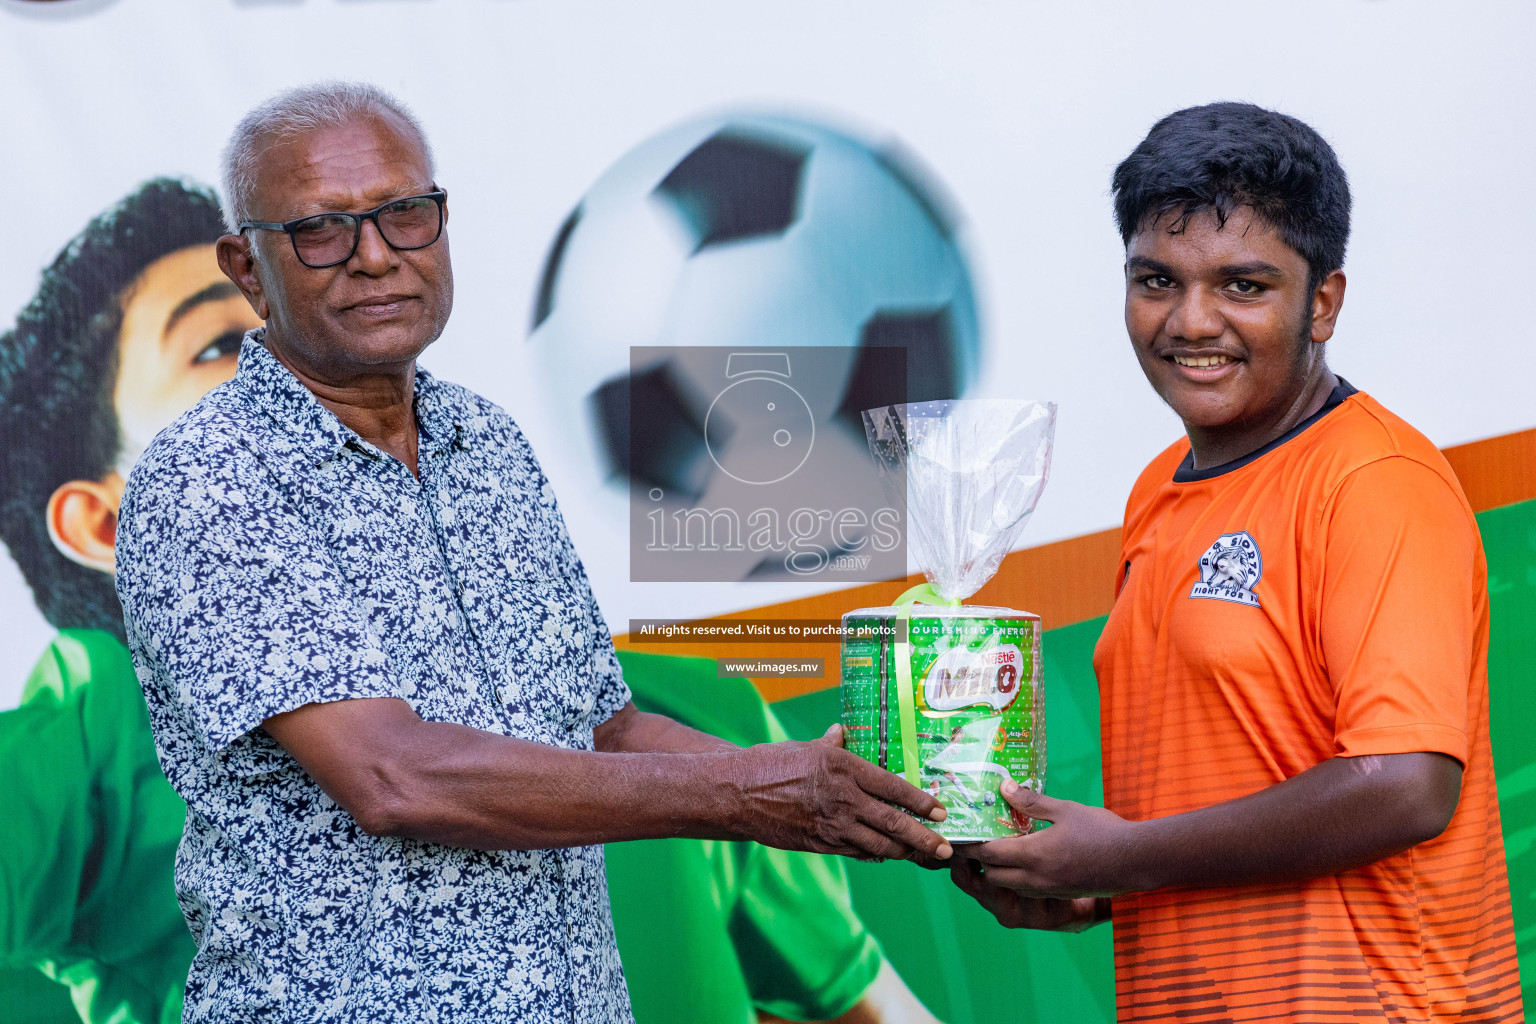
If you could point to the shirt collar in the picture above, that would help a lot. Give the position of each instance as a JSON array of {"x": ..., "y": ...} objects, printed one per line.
[{"x": 443, "y": 417}]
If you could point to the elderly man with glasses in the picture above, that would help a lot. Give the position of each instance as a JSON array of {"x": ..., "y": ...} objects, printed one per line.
[{"x": 373, "y": 662}]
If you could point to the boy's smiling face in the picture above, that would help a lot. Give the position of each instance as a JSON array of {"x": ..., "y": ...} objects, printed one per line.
[{"x": 1225, "y": 326}]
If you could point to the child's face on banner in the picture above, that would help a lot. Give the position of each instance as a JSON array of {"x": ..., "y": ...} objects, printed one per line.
[{"x": 182, "y": 325}]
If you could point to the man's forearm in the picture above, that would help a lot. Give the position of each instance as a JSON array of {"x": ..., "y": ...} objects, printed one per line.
[
  {"x": 637, "y": 732},
  {"x": 399, "y": 775},
  {"x": 465, "y": 787}
]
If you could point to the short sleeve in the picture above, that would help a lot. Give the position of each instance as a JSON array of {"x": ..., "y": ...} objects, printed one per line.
[
  {"x": 609, "y": 693},
  {"x": 234, "y": 610},
  {"x": 1401, "y": 612}
]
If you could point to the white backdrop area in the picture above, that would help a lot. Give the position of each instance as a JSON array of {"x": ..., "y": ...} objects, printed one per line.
[{"x": 1020, "y": 109}]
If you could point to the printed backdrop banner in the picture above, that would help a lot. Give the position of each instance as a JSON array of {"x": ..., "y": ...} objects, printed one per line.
[{"x": 803, "y": 181}]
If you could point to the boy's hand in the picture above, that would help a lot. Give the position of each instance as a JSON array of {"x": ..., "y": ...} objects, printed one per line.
[
  {"x": 1083, "y": 854},
  {"x": 1013, "y": 910}
]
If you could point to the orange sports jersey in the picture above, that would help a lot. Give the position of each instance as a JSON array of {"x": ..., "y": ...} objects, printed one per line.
[{"x": 1324, "y": 596}]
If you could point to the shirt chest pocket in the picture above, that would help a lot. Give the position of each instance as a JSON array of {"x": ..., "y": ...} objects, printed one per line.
[{"x": 549, "y": 651}]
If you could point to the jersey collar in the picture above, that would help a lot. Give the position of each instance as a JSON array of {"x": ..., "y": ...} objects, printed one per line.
[{"x": 1187, "y": 473}]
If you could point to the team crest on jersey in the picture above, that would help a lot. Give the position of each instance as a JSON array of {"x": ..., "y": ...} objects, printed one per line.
[{"x": 1229, "y": 570}]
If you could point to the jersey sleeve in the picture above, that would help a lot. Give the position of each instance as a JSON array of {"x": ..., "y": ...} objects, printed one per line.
[
  {"x": 1401, "y": 610},
  {"x": 804, "y": 951}
]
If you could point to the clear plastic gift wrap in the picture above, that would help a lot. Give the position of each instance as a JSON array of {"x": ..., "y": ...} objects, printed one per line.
[{"x": 946, "y": 694}]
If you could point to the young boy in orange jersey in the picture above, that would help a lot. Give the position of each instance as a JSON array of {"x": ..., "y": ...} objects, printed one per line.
[{"x": 1300, "y": 819}]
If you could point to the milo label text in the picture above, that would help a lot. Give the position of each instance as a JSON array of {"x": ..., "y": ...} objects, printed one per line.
[
  {"x": 963, "y": 678},
  {"x": 978, "y": 709}
]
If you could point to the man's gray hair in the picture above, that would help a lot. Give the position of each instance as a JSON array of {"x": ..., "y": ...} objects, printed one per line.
[{"x": 290, "y": 113}]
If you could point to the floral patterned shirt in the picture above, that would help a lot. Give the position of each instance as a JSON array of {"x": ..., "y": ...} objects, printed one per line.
[{"x": 267, "y": 558}]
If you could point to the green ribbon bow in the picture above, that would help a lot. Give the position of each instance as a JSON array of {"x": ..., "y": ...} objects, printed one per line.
[{"x": 906, "y": 695}]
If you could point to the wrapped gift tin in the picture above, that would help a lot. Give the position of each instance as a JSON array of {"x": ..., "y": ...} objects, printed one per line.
[{"x": 949, "y": 697}]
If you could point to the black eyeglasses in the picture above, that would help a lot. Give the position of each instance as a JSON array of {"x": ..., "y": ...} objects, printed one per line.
[{"x": 326, "y": 239}]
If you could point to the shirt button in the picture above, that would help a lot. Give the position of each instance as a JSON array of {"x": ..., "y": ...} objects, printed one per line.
[{"x": 501, "y": 695}]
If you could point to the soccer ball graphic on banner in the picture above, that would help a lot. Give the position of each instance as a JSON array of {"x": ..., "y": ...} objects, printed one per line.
[{"x": 760, "y": 233}]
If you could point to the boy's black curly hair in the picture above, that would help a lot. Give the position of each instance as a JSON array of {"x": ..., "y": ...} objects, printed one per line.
[
  {"x": 1225, "y": 155},
  {"x": 58, "y": 371}
]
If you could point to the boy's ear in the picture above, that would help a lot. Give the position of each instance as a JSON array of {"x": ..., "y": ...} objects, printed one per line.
[
  {"x": 82, "y": 520},
  {"x": 1326, "y": 303}
]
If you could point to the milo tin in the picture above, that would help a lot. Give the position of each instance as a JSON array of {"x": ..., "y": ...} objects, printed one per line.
[{"x": 951, "y": 698}]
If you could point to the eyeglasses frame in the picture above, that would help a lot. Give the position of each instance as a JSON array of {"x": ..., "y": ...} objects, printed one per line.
[{"x": 438, "y": 195}]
